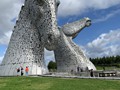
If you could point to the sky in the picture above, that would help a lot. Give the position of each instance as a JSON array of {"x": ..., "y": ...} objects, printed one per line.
[{"x": 102, "y": 38}]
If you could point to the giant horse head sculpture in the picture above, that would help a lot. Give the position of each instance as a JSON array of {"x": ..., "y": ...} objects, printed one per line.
[{"x": 42, "y": 13}]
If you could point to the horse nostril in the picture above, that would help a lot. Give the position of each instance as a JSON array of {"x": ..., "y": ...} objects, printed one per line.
[
  {"x": 88, "y": 23},
  {"x": 49, "y": 37}
]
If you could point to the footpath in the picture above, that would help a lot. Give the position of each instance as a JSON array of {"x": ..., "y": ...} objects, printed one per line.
[{"x": 81, "y": 77}]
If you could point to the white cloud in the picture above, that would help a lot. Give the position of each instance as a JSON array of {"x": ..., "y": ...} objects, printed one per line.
[
  {"x": 76, "y": 7},
  {"x": 9, "y": 9},
  {"x": 5, "y": 38},
  {"x": 107, "y": 44},
  {"x": 1, "y": 58},
  {"x": 104, "y": 18},
  {"x": 49, "y": 56}
]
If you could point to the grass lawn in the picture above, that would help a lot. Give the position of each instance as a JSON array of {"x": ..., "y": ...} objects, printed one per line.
[{"x": 44, "y": 83}]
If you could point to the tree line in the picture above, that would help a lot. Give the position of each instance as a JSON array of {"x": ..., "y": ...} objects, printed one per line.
[{"x": 106, "y": 61}]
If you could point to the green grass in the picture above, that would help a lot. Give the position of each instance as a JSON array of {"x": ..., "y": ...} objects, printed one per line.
[{"x": 43, "y": 83}]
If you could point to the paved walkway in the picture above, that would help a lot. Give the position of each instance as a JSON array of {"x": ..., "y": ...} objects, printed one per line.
[{"x": 81, "y": 77}]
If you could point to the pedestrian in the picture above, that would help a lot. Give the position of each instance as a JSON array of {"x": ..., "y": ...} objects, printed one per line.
[
  {"x": 22, "y": 71},
  {"x": 18, "y": 70},
  {"x": 26, "y": 70},
  {"x": 78, "y": 69},
  {"x": 91, "y": 72},
  {"x": 72, "y": 71},
  {"x": 87, "y": 69}
]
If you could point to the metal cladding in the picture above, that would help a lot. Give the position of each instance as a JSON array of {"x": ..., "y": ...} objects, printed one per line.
[
  {"x": 36, "y": 29},
  {"x": 68, "y": 55}
]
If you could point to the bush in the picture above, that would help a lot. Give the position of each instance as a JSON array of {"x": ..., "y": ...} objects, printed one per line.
[{"x": 52, "y": 66}]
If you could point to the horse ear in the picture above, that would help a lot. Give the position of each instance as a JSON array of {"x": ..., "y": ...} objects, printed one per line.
[{"x": 58, "y": 2}]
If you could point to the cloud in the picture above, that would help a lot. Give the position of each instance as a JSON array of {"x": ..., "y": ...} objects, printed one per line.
[
  {"x": 77, "y": 7},
  {"x": 1, "y": 58},
  {"x": 9, "y": 9},
  {"x": 104, "y": 18},
  {"x": 49, "y": 56},
  {"x": 107, "y": 44},
  {"x": 5, "y": 38}
]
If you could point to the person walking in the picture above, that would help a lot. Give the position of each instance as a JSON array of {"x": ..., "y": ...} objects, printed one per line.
[
  {"x": 18, "y": 70},
  {"x": 22, "y": 71},
  {"x": 26, "y": 70}
]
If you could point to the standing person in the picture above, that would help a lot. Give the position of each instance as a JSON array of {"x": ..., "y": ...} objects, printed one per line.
[
  {"x": 71, "y": 71},
  {"x": 18, "y": 70},
  {"x": 26, "y": 70},
  {"x": 22, "y": 71},
  {"x": 78, "y": 69},
  {"x": 91, "y": 72}
]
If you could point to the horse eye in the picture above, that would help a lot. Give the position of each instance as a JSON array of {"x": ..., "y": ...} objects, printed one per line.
[{"x": 40, "y": 2}]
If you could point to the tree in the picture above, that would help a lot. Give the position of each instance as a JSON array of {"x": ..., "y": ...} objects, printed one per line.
[{"x": 52, "y": 65}]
